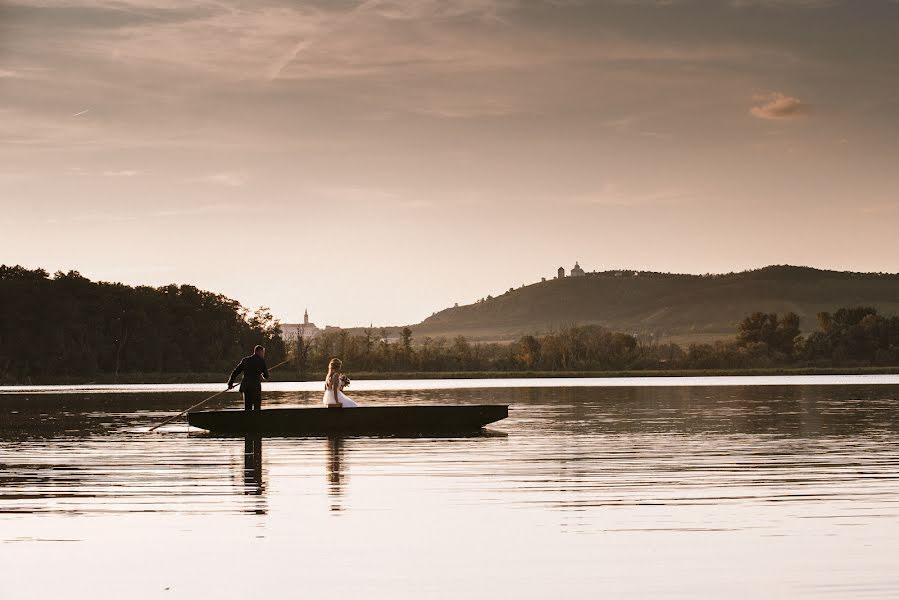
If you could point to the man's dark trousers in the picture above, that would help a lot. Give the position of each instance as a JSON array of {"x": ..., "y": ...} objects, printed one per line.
[{"x": 252, "y": 397}]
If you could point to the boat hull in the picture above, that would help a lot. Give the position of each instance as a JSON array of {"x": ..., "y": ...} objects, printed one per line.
[{"x": 352, "y": 421}]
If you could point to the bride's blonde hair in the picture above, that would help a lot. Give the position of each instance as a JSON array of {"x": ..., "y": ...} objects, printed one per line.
[{"x": 333, "y": 365}]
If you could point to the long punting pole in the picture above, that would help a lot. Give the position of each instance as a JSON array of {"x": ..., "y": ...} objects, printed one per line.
[{"x": 202, "y": 402}]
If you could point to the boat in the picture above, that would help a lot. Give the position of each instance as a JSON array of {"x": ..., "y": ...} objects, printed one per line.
[{"x": 352, "y": 421}]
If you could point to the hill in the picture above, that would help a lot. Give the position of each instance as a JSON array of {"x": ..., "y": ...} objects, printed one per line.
[{"x": 677, "y": 307}]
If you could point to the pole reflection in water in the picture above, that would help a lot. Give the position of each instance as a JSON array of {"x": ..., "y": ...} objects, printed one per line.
[
  {"x": 252, "y": 471},
  {"x": 335, "y": 476}
]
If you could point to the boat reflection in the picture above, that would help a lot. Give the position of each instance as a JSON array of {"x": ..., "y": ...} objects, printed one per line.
[
  {"x": 252, "y": 477},
  {"x": 336, "y": 470}
]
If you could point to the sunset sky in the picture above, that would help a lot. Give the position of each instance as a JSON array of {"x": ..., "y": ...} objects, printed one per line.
[{"x": 377, "y": 161}]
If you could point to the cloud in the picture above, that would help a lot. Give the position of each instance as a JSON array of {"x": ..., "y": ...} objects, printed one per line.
[
  {"x": 354, "y": 194},
  {"x": 777, "y": 105},
  {"x": 100, "y": 217},
  {"x": 79, "y": 171},
  {"x": 447, "y": 108},
  {"x": 784, "y": 3},
  {"x": 184, "y": 211},
  {"x": 228, "y": 179},
  {"x": 232, "y": 72},
  {"x": 619, "y": 195},
  {"x": 205, "y": 209}
]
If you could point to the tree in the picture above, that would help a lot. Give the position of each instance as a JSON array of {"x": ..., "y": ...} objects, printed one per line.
[
  {"x": 406, "y": 346},
  {"x": 777, "y": 334},
  {"x": 300, "y": 351},
  {"x": 461, "y": 352},
  {"x": 528, "y": 353}
]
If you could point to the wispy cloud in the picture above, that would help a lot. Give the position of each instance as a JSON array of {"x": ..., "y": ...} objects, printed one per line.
[
  {"x": 227, "y": 179},
  {"x": 446, "y": 108},
  {"x": 359, "y": 194},
  {"x": 101, "y": 217},
  {"x": 125, "y": 173},
  {"x": 620, "y": 195},
  {"x": 157, "y": 75},
  {"x": 637, "y": 124},
  {"x": 204, "y": 209},
  {"x": 114, "y": 217},
  {"x": 785, "y": 3},
  {"x": 776, "y": 105}
]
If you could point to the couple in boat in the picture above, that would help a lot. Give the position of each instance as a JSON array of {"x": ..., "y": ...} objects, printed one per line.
[{"x": 255, "y": 370}]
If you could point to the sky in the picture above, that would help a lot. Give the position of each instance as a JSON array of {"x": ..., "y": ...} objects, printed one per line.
[{"x": 376, "y": 161}]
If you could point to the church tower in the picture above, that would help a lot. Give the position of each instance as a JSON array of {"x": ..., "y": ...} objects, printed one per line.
[{"x": 306, "y": 318}]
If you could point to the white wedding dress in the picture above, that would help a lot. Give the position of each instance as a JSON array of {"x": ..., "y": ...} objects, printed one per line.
[{"x": 329, "y": 398}]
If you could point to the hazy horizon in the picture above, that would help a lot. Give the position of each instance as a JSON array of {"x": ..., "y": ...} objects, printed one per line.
[{"x": 378, "y": 161}]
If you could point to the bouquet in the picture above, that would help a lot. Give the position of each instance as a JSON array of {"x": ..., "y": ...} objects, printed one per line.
[{"x": 344, "y": 381}]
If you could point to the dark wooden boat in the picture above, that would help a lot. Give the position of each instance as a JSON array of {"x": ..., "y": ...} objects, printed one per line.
[{"x": 352, "y": 421}]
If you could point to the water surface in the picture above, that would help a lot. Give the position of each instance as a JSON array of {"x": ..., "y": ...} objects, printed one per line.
[{"x": 712, "y": 490}]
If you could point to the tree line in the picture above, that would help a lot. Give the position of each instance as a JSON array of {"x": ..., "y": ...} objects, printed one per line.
[
  {"x": 69, "y": 326},
  {"x": 849, "y": 337}
]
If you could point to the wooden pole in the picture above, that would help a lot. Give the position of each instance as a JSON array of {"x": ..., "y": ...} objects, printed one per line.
[{"x": 202, "y": 402}]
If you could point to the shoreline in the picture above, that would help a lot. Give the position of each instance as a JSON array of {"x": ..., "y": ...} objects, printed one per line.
[{"x": 174, "y": 378}]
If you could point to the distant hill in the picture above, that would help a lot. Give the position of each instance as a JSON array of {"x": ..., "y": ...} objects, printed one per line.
[{"x": 677, "y": 307}]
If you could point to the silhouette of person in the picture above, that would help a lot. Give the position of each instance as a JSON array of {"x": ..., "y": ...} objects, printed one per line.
[{"x": 254, "y": 371}]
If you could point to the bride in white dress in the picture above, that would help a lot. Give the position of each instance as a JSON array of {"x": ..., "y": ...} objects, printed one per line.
[{"x": 334, "y": 396}]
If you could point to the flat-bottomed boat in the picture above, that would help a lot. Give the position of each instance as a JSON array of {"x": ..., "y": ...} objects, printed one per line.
[{"x": 352, "y": 421}]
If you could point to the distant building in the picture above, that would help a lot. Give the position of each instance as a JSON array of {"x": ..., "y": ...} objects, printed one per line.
[
  {"x": 308, "y": 329},
  {"x": 576, "y": 271}
]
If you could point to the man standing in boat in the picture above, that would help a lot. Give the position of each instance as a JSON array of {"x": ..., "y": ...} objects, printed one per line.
[{"x": 254, "y": 371}]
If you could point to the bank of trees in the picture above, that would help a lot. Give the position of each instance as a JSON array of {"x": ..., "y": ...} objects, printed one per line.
[
  {"x": 850, "y": 337},
  {"x": 67, "y": 325},
  {"x": 588, "y": 348}
]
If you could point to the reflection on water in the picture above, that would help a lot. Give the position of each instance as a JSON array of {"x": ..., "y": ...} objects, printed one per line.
[
  {"x": 252, "y": 468},
  {"x": 335, "y": 474},
  {"x": 651, "y": 491}
]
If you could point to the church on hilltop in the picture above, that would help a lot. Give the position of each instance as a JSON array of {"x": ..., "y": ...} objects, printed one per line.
[
  {"x": 307, "y": 329},
  {"x": 576, "y": 271}
]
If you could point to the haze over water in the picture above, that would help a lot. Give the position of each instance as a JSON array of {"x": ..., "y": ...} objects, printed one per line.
[{"x": 750, "y": 491}]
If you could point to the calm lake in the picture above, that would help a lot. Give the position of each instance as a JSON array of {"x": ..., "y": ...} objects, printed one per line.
[{"x": 693, "y": 488}]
